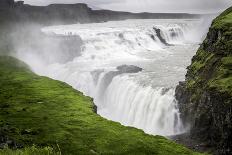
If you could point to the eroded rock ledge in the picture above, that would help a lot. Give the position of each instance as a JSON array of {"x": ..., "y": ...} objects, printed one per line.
[{"x": 205, "y": 97}]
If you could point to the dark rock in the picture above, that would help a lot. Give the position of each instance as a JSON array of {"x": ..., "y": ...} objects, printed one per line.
[
  {"x": 160, "y": 36},
  {"x": 72, "y": 13},
  {"x": 6, "y": 3},
  {"x": 2, "y": 145},
  {"x": 129, "y": 69},
  {"x": 18, "y": 3},
  {"x": 9, "y": 142},
  {"x": 191, "y": 143},
  {"x": 95, "y": 108},
  {"x": 121, "y": 70},
  {"x": 152, "y": 37},
  {"x": 5, "y": 141},
  {"x": 205, "y": 106}
]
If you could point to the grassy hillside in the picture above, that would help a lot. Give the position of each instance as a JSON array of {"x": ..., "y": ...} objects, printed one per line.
[
  {"x": 30, "y": 151},
  {"x": 214, "y": 57},
  {"x": 44, "y": 112},
  {"x": 206, "y": 95}
]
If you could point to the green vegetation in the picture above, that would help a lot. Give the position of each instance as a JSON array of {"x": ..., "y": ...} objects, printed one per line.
[
  {"x": 224, "y": 21},
  {"x": 223, "y": 76},
  {"x": 30, "y": 151},
  {"x": 44, "y": 112},
  {"x": 211, "y": 68},
  {"x": 206, "y": 95}
]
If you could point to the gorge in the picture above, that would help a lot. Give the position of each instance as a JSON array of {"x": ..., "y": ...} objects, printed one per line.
[{"x": 129, "y": 64}]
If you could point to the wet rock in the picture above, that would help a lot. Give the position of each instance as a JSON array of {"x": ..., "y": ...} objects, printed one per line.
[
  {"x": 6, "y": 3},
  {"x": 5, "y": 141},
  {"x": 129, "y": 69},
  {"x": 2, "y": 145},
  {"x": 204, "y": 105},
  {"x": 191, "y": 143},
  {"x": 95, "y": 108},
  {"x": 120, "y": 70},
  {"x": 160, "y": 36}
]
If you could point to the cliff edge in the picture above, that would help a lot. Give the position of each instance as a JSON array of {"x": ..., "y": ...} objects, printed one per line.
[
  {"x": 205, "y": 97},
  {"x": 44, "y": 112}
]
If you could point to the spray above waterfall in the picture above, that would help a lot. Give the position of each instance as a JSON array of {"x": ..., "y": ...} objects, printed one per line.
[{"x": 129, "y": 67}]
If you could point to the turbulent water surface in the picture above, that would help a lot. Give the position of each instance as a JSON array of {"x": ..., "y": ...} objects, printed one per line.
[{"x": 155, "y": 54}]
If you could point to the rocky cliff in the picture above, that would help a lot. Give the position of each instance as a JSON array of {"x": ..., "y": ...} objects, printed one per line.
[
  {"x": 205, "y": 98},
  {"x": 72, "y": 13},
  {"x": 6, "y": 3}
]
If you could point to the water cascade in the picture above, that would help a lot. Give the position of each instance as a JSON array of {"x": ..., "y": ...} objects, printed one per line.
[{"x": 129, "y": 69}]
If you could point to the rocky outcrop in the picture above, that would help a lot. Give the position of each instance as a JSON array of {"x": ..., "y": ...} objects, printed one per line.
[
  {"x": 160, "y": 36},
  {"x": 6, "y": 4},
  {"x": 128, "y": 69},
  {"x": 5, "y": 141},
  {"x": 205, "y": 98}
]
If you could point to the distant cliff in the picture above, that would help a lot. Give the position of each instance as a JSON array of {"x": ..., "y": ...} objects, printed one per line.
[
  {"x": 73, "y": 13},
  {"x": 6, "y": 3},
  {"x": 205, "y": 98}
]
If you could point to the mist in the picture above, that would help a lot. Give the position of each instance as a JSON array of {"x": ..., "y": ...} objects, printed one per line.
[
  {"x": 105, "y": 48},
  {"x": 27, "y": 42}
]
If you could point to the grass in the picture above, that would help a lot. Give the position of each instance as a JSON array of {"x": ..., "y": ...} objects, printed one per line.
[
  {"x": 224, "y": 21},
  {"x": 223, "y": 76},
  {"x": 44, "y": 112},
  {"x": 29, "y": 151},
  {"x": 211, "y": 67}
]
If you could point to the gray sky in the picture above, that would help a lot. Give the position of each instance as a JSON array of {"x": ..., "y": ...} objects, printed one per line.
[{"x": 192, "y": 6}]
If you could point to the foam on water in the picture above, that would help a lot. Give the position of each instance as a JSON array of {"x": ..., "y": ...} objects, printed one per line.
[{"x": 144, "y": 100}]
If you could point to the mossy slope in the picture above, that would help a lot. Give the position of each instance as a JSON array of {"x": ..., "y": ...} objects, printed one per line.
[
  {"x": 41, "y": 111},
  {"x": 30, "y": 151},
  {"x": 206, "y": 95}
]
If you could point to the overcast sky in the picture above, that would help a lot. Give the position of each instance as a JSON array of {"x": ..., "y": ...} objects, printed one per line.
[{"x": 194, "y": 6}]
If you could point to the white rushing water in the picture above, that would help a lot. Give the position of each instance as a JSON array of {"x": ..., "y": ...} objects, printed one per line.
[{"x": 145, "y": 99}]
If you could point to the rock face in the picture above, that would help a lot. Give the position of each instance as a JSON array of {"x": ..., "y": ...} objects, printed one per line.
[
  {"x": 6, "y": 3},
  {"x": 129, "y": 69},
  {"x": 75, "y": 13},
  {"x": 205, "y": 98},
  {"x": 160, "y": 36}
]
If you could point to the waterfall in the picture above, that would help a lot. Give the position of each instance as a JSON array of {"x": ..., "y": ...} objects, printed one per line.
[
  {"x": 152, "y": 109},
  {"x": 129, "y": 69}
]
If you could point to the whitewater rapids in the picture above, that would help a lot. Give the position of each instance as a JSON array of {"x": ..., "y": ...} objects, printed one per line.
[{"x": 143, "y": 99}]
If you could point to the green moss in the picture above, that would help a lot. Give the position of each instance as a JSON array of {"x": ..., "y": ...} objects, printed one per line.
[
  {"x": 211, "y": 72},
  {"x": 222, "y": 79},
  {"x": 222, "y": 85},
  {"x": 38, "y": 110},
  {"x": 211, "y": 66},
  {"x": 224, "y": 21},
  {"x": 227, "y": 61},
  {"x": 30, "y": 151},
  {"x": 191, "y": 83},
  {"x": 199, "y": 63}
]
